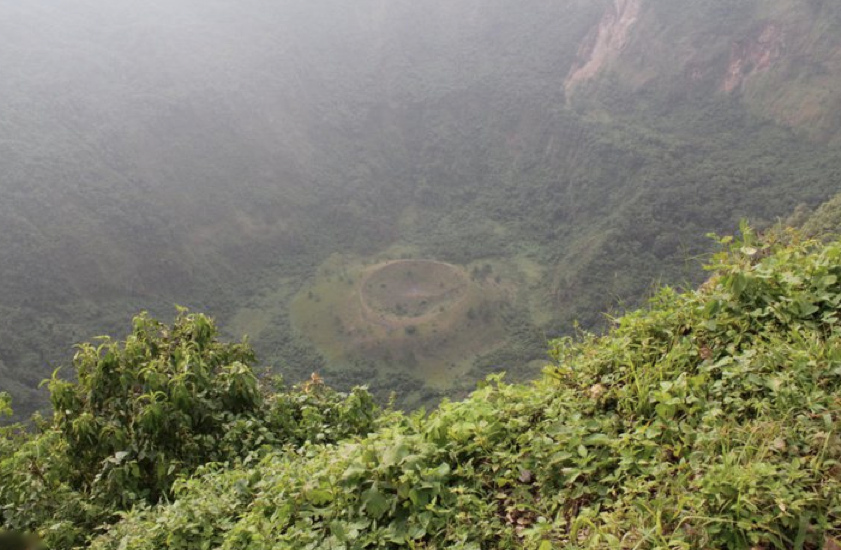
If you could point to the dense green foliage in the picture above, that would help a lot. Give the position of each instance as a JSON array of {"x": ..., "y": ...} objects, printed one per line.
[
  {"x": 149, "y": 410},
  {"x": 222, "y": 153},
  {"x": 707, "y": 420},
  {"x": 166, "y": 401},
  {"x": 824, "y": 223},
  {"x": 231, "y": 151}
]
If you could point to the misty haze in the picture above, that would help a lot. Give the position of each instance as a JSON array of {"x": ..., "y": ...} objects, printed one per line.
[{"x": 392, "y": 201}]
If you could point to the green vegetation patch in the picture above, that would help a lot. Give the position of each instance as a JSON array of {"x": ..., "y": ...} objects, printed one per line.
[
  {"x": 424, "y": 317},
  {"x": 707, "y": 420},
  {"x": 412, "y": 289}
]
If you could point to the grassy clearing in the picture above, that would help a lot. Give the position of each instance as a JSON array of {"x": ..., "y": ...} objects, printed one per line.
[{"x": 431, "y": 319}]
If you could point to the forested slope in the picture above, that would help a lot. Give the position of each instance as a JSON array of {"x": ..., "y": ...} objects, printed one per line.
[
  {"x": 705, "y": 420},
  {"x": 215, "y": 154}
]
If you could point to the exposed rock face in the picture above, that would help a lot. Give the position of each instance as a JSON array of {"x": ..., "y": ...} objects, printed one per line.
[
  {"x": 605, "y": 42},
  {"x": 753, "y": 55}
]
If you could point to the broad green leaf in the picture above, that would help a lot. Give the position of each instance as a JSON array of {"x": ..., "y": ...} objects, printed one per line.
[{"x": 375, "y": 503}]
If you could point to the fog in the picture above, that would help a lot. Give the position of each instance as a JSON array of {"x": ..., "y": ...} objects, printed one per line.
[{"x": 227, "y": 156}]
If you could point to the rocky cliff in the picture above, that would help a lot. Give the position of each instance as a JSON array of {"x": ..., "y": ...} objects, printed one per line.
[{"x": 781, "y": 58}]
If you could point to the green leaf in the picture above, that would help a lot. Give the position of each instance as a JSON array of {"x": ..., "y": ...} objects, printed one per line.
[
  {"x": 738, "y": 283},
  {"x": 666, "y": 411},
  {"x": 395, "y": 454},
  {"x": 597, "y": 440},
  {"x": 320, "y": 496},
  {"x": 375, "y": 503},
  {"x": 806, "y": 308},
  {"x": 337, "y": 528}
]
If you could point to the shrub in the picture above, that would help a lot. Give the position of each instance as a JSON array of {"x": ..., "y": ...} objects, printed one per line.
[
  {"x": 145, "y": 412},
  {"x": 706, "y": 421}
]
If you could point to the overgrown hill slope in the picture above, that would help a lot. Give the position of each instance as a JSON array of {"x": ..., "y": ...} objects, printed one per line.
[
  {"x": 781, "y": 58},
  {"x": 706, "y": 420},
  {"x": 216, "y": 153},
  {"x": 825, "y": 222}
]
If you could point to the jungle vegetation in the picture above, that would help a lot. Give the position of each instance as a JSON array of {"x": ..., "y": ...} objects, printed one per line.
[
  {"x": 706, "y": 419},
  {"x": 220, "y": 154},
  {"x": 389, "y": 202}
]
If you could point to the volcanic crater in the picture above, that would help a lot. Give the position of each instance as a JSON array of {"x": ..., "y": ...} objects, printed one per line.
[{"x": 404, "y": 292}]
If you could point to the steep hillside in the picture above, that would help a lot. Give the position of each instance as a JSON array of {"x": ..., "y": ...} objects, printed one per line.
[
  {"x": 221, "y": 155},
  {"x": 703, "y": 421},
  {"x": 824, "y": 222},
  {"x": 780, "y": 58}
]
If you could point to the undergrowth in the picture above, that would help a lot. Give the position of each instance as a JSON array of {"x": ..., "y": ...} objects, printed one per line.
[{"x": 707, "y": 420}]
